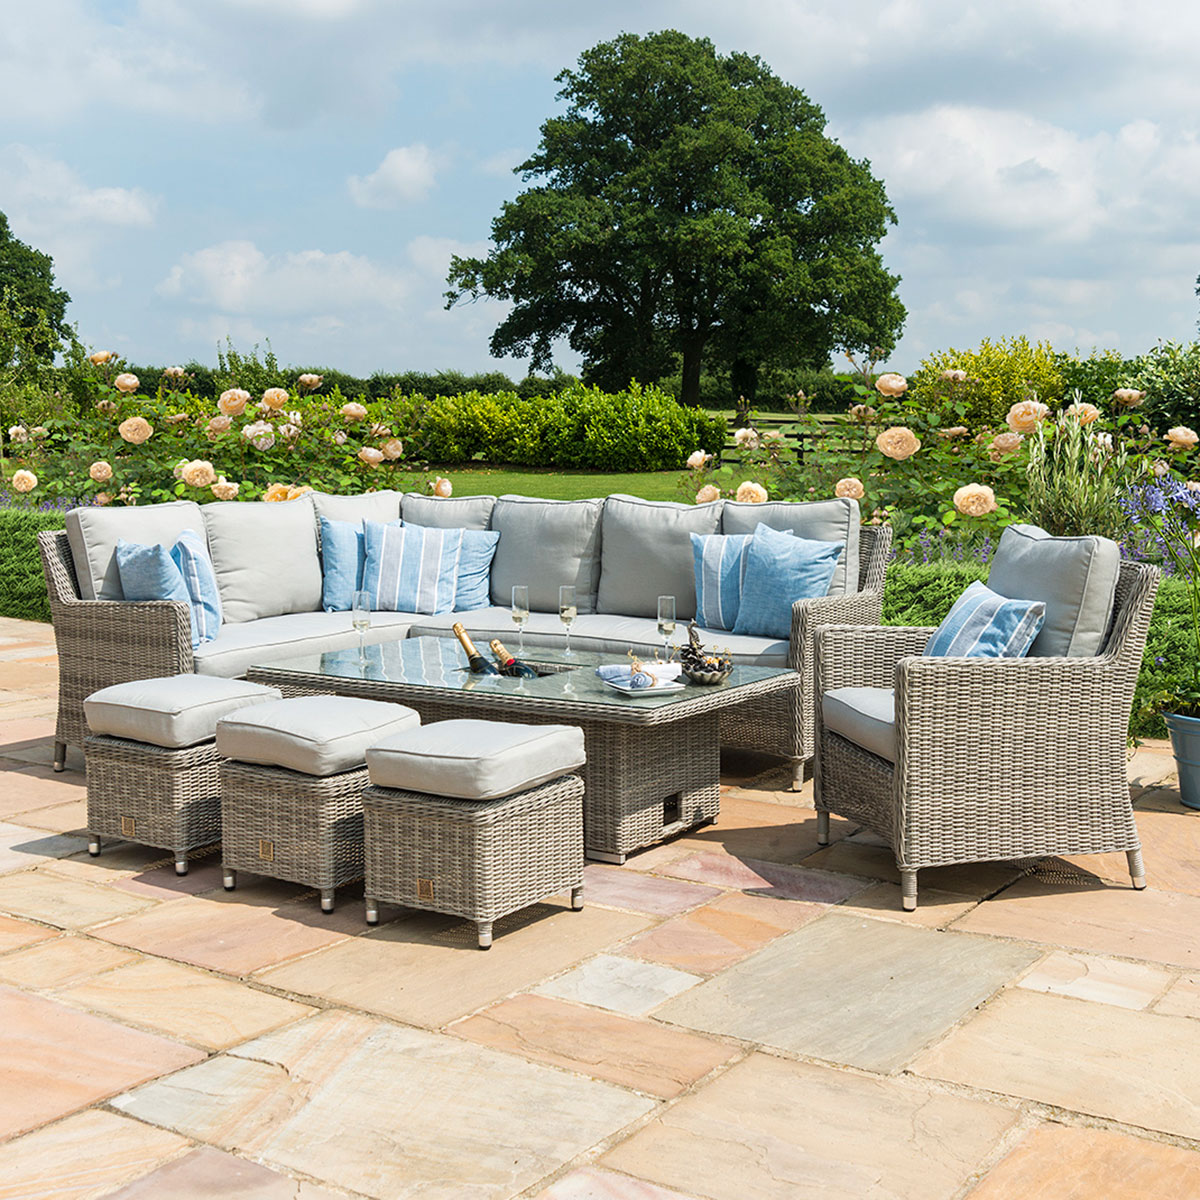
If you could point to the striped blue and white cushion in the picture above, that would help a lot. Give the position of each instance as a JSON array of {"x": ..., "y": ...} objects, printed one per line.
[
  {"x": 411, "y": 568},
  {"x": 190, "y": 555},
  {"x": 983, "y": 624},
  {"x": 720, "y": 564}
]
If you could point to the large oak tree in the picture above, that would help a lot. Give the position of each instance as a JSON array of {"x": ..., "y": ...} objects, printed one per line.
[
  {"x": 27, "y": 291},
  {"x": 687, "y": 206}
]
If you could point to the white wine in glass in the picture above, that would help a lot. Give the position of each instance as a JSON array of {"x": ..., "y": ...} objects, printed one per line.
[
  {"x": 360, "y": 619},
  {"x": 520, "y": 613},
  {"x": 666, "y": 621},
  {"x": 568, "y": 610}
]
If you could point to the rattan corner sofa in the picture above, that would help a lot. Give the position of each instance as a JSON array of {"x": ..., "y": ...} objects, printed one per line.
[{"x": 621, "y": 553}]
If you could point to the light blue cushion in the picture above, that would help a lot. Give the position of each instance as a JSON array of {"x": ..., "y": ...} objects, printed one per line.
[
  {"x": 149, "y": 573},
  {"x": 720, "y": 563},
  {"x": 781, "y": 569},
  {"x": 473, "y": 588},
  {"x": 190, "y": 555},
  {"x": 343, "y": 557},
  {"x": 983, "y": 624},
  {"x": 410, "y": 568}
]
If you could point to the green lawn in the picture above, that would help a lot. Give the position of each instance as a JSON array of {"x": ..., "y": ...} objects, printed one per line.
[{"x": 564, "y": 485}]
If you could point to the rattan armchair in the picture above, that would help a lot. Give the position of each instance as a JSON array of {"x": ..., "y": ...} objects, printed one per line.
[{"x": 1004, "y": 758}]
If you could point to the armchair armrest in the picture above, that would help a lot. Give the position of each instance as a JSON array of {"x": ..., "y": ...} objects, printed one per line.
[{"x": 865, "y": 655}]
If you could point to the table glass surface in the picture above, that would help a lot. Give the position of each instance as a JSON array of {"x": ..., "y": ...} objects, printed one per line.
[{"x": 441, "y": 663}]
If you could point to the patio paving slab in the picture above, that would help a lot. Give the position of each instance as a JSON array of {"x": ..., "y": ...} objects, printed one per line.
[
  {"x": 70, "y": 817},
  {"x": 761, "y": 878},
  {"x": 592, "y": 1183},
  {"x": 636, "y": 892},
  {"x": 1059, "y": 1162},
  {"x": 1139, "y": 1068},
  {"x": 1104, "y": 980},
  {"x": 935, "y": 909},
  {"x": 184, "y": 1003},
  {"x": 774, "y": 1130},
  {"x": 24, "y": 788},
  {"x": 851, "y": 990},
  {"x": 769, "y": 832},
  {"x": 636, "y": 1054},
  {"x": 1150, "y": 925},
  {"x": 205, "y": 1173},
  {"x": 389, "y": 1111},
  {"x": 427, "y": 970},
  {"x": 57, "y": 1060},
  {"x": 621, "y": 984},
  {"x": 14, "y": 934},
  {"x": 62, "y": 962},
  {"x": 1170, "y": 848},
  {"x": 719, "y": 934},
  {"x": 22, "y": 847},
  {"x": 66, "y": 903},
  {"x": 83, "y": 1157},
  {"x": 1183, "y": 1000}
]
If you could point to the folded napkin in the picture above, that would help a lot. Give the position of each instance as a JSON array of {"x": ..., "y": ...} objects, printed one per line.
[{"x": 652, "y": 674}]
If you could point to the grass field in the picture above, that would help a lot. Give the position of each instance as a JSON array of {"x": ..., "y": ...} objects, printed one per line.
[{"x": 564, "y": 485}]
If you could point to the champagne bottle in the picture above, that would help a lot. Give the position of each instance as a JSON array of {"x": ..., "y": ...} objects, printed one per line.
[
  {"x": 475, "y": 661},
  {"x": 509, "y": 665}
]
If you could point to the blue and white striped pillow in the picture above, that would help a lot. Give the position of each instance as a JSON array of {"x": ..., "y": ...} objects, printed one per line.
[
  {"x": 720, "y": 565},
  {"x": 983, "y": 624},
  {"x": 411, "y": 568},
  {"x": 190, "y": 555}
]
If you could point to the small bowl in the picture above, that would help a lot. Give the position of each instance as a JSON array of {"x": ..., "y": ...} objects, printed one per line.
[{"x": 708, "y": 678}]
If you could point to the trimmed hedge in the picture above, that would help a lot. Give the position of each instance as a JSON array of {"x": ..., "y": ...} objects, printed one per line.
[{"x": 22, "y": 584}]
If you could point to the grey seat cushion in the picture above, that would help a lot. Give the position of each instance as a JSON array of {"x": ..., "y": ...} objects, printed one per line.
[
  {"x": 265, "y": 557},
  {"x": 646, "y": 553},
  {"x": 237, "y": 648},
  {"x": 544, "y": 544},
  {"x": 453, "y": 512},
  {"x": 368, "y": 506},
  {"x": 171, "y": 711},
  {"x": 834, "y": 520},
  {"x": 475, "y": 760},
  {"x": 1075, "y": 577},
  {"x": 92, "y": 534},
  {"x": 315, "y": 735},
  {"x": 864, "y": 716}
]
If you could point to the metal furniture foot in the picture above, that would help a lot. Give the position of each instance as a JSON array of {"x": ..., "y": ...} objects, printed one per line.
[
  {"x": 798, "y": 773},
  {"x": 1137, "y": 871},
  {"x": 372, "y": 906},
  {"x": 60, "y": 755},
  {"x": 577, "y": 898},
  {"x": 228, "y": 879},
  {"x": 181, "y": 863},
  {"x": 327, "y": 900},
  {"x": 485, "y": 934},
  {"x": 908, "y": 890},
  {"x": 822, "y": 828},
  {"x": 605, "y": 856},
  {"x": 94, "y": 847}
]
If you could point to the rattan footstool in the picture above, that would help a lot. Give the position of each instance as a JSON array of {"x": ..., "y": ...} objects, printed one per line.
[
  {"x": 474, "y": 819},
  {"x": 152, "y": 764},
  {"x": 291, "y": 787}
]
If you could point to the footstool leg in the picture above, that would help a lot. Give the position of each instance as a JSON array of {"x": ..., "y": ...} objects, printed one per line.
[
  {"x": 372, "y": 910},
  {"x": 181, "y": 864},
  {"x": 94, "y": 847},
  {"x": 822, "y": 828},
  {"x": 60, "y": 755},
  {"x": 327, "y": 900},
  {"x": 908, "y": 890},
  {"x": 485, "y": 934},
  {"x": 228, "y": 879},
  {"x": 577, "y": 898},
  {"x": 1137, "y": 872}
]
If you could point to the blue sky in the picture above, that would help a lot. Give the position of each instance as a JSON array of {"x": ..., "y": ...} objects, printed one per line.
[{"x": 302, "y": 170}]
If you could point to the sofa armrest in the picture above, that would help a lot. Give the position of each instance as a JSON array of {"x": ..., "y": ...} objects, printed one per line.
[{"x": 864, "y": 655}]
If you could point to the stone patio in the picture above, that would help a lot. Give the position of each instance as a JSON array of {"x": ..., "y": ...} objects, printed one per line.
[{"x": 735, "y": 1015}]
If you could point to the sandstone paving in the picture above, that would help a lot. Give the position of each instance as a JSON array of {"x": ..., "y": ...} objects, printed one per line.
[
  {"x": 62, "y": 962},
  {"x": 770, "y": 1129},
  {"x": 22, "y": 847},
  {"x": 715, "y": 936},
  {"x": 1104, "y": 980},
  {"x": 57, "y": 1060},
  {"x": 1139, "y": 1068},
  {"x": 24, "y": 789},
  {"x": 593, "y": 1183},
  {"x": 67, "y": 903},
  {"x": 183, "y": 1003},
  {"x": 19, "y": 732},
  {"x": 14, "y": 934},
  {"x": 771, "y": 832},
  {"x": 1095, "y": 917},
  {"x": 621, "y": 984},
  {"x": 618, "y": 888},
  {"x": 1068, "y": 1163},
  {"x": 428, "y": 970},
  {"x": 58, "y": 818},
  {"x": 762, "y": 878},
  {"x": 389, "y": 1111},
  {"x": 83, "y": 1157},
  {"x": 636, "y": 1054},
  {"x": 1170, "y": 850},
  {"x": 1182, "y": 999},
  {"x": 851, "y": 990},
  {"x": 935, "y": 909}
]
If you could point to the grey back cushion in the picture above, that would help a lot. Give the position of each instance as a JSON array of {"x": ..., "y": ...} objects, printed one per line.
[
  {"x": 93, "y": 533},
  {"x": 835, "y": 520},
  {"x": 369, "y": 506},
  {"x": 265, "y": 557},
  {"x": 647, "y": 553},
  {"x": 544, "y": 544},
  {"x": 1075, "y": 577},
  {"x": 457, "y": 512}
]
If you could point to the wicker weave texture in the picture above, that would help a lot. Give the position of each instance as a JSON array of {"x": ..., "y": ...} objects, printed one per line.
[
  {"x": 155, "y": 797},
  {"x": 475, "y": 859},
  {"x": 287, "y": 825}
]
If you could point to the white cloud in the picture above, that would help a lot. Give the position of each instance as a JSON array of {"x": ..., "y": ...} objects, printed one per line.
[{"x": 406, "y": 174}]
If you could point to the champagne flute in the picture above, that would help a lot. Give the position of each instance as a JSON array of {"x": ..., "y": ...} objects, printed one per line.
[
  {"x": 666, "y": 621},
  {"x": 520, "y": 613},
  {"x": 360, "y": 618},
  {"x": 568, "y": 610}
]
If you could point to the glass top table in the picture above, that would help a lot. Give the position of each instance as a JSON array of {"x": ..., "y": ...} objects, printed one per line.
[{"x": 653, "y": 757}]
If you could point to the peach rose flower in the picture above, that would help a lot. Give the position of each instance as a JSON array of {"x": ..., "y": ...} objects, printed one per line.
[
  {"x": 100, "y": 471},
  {"x": 379, "y": 430},
  {"x": 106, "y": 407},
  {"x": 277, "y": 492},
  {"x": 891, "y": 384},
  {"x": 233, "y": 402},
  {"x": 294, "y": 493},
  {"x": 371, "y": 456},
  {"x": 392, "y": 449},
  {"x": 260, "y": 434},
  {"x": 954, "y": 431},
  {"x": 862, "y": 412},
  {"x": 708, "y": 493},
  {"x": 443, "y": 488},
  {"x": 1083, "y": 412},
  {"x": 353, "y": 411},
  {"x": 1026, "y": 415},
  {"x": 309, "y": 382},
  {"x": 746, "y": 439},
  {"x": 274, "y": 397},
  {"x": 175, "y": 419},
  {"x": 18, "y": 435},
  {"x": 954, "y": 375},
  {"x": 289, "y": 432},
  {"x": 103, "y": 498},
  {"x": 173, "y": 372},
  {"x": 1006, "y": 442},
  {"x": 198, "y": 473},
  {"x": 100, "y": 357},
  {"x": 1181, "y": 438},
  {"x": 224, "y": 490},
  {"x": 135, "y": 430},
  {"x": 218, "y": 426},
  {"x": 751, "y": 493},
  {"x": 697, "y": 459},
  {"x": 849, "y": 488},
  {"x": 339, "y": 437},
  {"x": 24, "y": 481},
  {"x": 126, "y": 383},
  {"x": 1129, "y": 397},
  {"x": 898, "y": 442},
  {"x": 975, "y": 500}
]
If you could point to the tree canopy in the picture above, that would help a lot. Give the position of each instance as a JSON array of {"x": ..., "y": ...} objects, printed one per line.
[
  {"x": 28, "y": 293},
  {"x": 688, "y": 207}
]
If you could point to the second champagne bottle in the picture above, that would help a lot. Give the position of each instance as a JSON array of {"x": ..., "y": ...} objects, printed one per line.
[{"x": 508, "y": 665}]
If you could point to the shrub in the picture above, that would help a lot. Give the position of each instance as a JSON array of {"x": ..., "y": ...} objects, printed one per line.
[
  {"x": 22, "y": 585},
  {"x": 1170, "y": 376},
  {"x": 1098, "y": 375}
]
